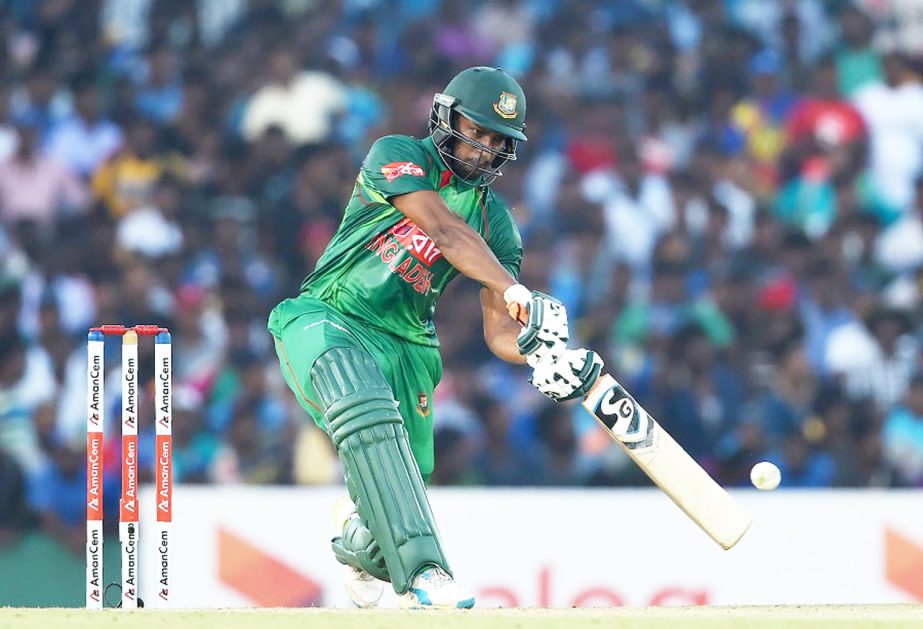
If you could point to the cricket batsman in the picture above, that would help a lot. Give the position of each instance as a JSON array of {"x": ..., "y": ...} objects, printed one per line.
[{"x": 358, "y": 347}]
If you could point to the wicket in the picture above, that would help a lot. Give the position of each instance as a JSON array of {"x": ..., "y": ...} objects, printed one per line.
[{"x": 128, "y": 504}]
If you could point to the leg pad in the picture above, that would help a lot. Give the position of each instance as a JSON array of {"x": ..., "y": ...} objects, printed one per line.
[{"x": 381, "y": 474}]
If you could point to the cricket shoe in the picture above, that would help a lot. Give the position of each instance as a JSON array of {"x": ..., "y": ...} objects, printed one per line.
[
  {"x": 435, "y": 589},
  {"x": 363, "y": 589}
]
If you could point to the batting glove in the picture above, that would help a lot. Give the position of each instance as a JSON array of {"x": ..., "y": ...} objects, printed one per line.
[
  {"x": 545, "y": 331},
  {"x": 569, "y": 376}
]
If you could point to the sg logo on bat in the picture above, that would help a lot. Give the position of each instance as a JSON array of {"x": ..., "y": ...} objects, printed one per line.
[{"x": 625, "y": 419}]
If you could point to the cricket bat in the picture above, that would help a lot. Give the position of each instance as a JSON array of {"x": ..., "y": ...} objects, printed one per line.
[{"x": 666, "y": 462}]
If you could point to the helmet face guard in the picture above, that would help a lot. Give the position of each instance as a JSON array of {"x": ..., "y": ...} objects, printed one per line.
[{"x": 442, "y": 130}]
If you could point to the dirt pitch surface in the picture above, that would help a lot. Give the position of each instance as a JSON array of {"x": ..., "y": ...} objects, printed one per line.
[{"x": 839, "y": 616}]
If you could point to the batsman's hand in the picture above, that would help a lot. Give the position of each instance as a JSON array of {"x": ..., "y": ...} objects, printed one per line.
[
  {"x": 544, "y": 320},
  {"x": 569, "y": 376},
  {"x": 518, "y": 298}
]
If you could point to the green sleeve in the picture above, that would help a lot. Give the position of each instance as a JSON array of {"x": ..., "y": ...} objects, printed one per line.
[
  {"x": 502, "y": 235},
  {"x": 396, "y": 164}
]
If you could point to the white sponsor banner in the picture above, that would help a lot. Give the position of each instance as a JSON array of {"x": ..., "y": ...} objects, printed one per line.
[{"x": 269, "y": 546}]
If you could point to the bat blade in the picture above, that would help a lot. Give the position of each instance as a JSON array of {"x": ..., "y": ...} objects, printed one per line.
[{"x": 666, "y": 462}]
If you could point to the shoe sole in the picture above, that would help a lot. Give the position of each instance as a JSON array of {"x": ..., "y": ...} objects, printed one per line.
[{"x": 467, "y": 603}]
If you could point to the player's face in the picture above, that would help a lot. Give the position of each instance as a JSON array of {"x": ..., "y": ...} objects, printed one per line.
[{"x": 473, "y": 155}]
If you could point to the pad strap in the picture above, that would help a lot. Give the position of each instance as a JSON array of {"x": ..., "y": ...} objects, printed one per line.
[{"x": 359, "y": 549}]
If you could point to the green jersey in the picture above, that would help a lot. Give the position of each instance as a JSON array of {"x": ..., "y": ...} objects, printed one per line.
[{"x": 380, "y": 267}]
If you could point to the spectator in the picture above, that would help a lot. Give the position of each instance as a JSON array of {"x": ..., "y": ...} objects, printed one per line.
[
  {"x": 786, "y": 403},
  {"x": 152, "y": 230},
  {"x": 801, "y": 465},
  {"x": 903, "y": 436},
  {"x": 842, "y": 422},
  {"x": 498, "y": 461},
  {"x": 272, "y": 175},
  {"x": 823, "y": 309},
  {"x": 822, "y": 119},
  {"x": 893, "y": 112},
  {"x": 637, "y": 211},
  {"x": 857, "y": 63},
  {"x": 733, "y": 187},
  {"x": 194, "y": 446},
  {"x": 14, "y": 509},
  {"x": 697, "y": 395},
  {"x": 24, "y": 385},
  {"x": 670, "y": 306},
  {"x": 243, "y": 384},
  {"x": 249, "y": 455},
  {"x": 302, "y": 103},
  {"x": 159, "y": 95},
  {"x": 57, "y": 496},
  {"x": 759, "y": 117},
  {"x": 900, "y": 248},
  {"x": 126, "y": 181},
  {"x": 230, "y": 255},
  {"x": 826, "y": 161},
  {"x": 453, "y": 448},
  {"x": 86, "y": 138},
  {"x": 561, "y": 462},
  {"x": 200, "y": 338},
  {"x": 876, "y": 361},
  {"x": 36, "y": 187},
  {"x": 41, "y": 101},
  {"x": 873, "y": 464},
  {"x": 457, "y": 38}
]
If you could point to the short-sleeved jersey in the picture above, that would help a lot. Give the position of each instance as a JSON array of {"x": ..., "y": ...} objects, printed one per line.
[{"x": 379, "y": 266}]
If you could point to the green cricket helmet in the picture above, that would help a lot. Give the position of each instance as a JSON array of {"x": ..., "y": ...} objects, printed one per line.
[{"x": 492, "y": 99}]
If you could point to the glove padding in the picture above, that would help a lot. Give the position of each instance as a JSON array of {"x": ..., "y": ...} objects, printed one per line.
[
  {"x": 545, "y": 333},
  {"x": 569, "y": 376}
]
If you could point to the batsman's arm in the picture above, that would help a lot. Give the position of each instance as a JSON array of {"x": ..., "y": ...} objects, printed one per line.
[
  {"x": 461, "y": 245},
  {"x": 500, "y": 330}
]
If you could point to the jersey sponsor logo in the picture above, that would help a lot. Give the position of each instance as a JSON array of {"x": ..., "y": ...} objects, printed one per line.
[
  {"x": 416, "y": 241},
  {"x": 398, "y": 169},
  {"x": 387, "y": 249},
  {"x": 413, "y": 269}
]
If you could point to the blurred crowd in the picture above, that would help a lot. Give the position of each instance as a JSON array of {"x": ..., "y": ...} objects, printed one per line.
[{"x": 726, "y": 194}]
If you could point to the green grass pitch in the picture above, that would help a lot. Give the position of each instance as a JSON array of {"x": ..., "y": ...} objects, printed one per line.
[{"x": 709, "y": 617}]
